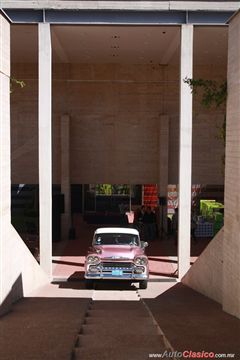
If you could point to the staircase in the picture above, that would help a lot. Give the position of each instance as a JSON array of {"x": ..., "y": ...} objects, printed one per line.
[
  {"x": 110, "y": 323},
  {"x": 41, "y": 328},
  {"x": 150, "y": 195},
  {"x": 119, "y": 330}
]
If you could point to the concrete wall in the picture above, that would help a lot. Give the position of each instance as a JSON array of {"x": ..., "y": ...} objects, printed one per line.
[
  {"x": 24, "y": 126},
  {"x": 208, "y": 275},
  {"x": 231, "y": 247},
  {"x": 205, "y": 275},
  {"x": 19, "y": 271},
  {"x": 115, "y": 115}
]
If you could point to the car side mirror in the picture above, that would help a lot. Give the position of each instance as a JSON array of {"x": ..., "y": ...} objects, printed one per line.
[{"x": 144, "y": 244}]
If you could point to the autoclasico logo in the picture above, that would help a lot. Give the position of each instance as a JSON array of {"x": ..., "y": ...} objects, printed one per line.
[{"x": 189, "y": 354}]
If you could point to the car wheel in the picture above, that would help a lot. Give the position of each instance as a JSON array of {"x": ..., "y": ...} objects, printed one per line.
[
  {"x": 89, "y": 284},
  {"x": 143, "y": 284}
]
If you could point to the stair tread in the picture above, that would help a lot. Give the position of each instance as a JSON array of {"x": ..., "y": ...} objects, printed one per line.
[
  {"x": 117, "y": 312},
  {"x": 121, "y": 321},
  {"x": 132, "y": 352},
  {"x": 122, "y": 305},
  {"x": 100, "y": 328},
  {"x": 114, "y": 339}
]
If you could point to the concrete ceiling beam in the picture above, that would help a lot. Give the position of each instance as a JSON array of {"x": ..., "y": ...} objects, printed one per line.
[{"x": 123, "y": 5}]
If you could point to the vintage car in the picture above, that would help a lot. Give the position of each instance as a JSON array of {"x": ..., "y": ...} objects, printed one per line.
[{"x": 117, "y": 254}]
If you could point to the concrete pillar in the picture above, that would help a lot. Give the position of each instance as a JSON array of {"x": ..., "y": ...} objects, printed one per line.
[
  {"x": 185, "y": 152},
  {"x": 65, "y": 176},
  {"x": 5, "y": 160},
  {"x": 163, "y": 168},
  {"x": 45, "y": 147},
  {"x": 231, "y": 243}
]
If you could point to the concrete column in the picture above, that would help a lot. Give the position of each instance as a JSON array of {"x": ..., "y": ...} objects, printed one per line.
[
  {"x": 5, "y": 159},
  {"x": 45, "y": 147},
  {"x": 163, "y": 168},
  {"x": 231, "y": 243},
  {"x": 65, "y": 176},
  {"x": 185, "y": 152}
]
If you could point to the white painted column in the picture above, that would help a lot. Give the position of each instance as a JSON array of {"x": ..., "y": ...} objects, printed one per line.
[
  {"x": 5, "y": 159},
  {"x": 45, "y": 147},
  {"x": 65, "y": 176},
  {"x": 163, "y": 168},
  {"x": 185, "y": 152}
]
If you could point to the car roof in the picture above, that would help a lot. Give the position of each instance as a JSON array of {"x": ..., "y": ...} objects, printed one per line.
[{"x": 114, "y": 230}]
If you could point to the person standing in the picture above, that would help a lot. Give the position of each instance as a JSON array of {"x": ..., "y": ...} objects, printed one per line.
[
  {"x": 138, "y": 220},
  {"x": 149, "y": 221},
  {"x": 175, "y": 226},
  {"x": 193, "y": 227}
]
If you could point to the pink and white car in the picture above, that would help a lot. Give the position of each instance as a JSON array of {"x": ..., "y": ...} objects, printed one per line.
[{"x": 117, "y": 254}]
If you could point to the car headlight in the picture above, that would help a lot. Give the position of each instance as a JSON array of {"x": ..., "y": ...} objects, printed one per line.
[
  {"x": 92, "y": 259},
  {"x": 141, "y": 260}
]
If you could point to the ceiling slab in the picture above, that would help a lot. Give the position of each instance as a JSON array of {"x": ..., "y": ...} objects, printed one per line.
[{"x": 120, "y": 44}]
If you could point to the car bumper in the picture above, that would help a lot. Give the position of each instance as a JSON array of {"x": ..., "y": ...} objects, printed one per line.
[
  {"x": 113, "y": 277},
  {"x": 117, "y": 272}
]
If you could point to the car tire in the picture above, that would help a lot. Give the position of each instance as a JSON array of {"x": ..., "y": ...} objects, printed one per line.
[
  {"x": 89, "y": 284},
  {"x": 143, "y": 284}
]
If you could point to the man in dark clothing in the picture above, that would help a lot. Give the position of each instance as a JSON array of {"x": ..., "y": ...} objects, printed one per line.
[
  {"x": 175, "y": 226},
  {"x": 193, "y": 228},
  {"x": 138, "y": 221},
  {"x": 149, "y": 221}
]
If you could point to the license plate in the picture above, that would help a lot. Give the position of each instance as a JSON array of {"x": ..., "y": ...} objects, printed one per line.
[{"x": 117, "y": 272}]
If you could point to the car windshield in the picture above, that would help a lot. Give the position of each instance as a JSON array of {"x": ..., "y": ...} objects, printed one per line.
[{"x": 116, "y": 239}]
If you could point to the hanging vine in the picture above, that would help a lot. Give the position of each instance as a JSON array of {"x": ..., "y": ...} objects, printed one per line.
[
  {"x": 213, "y": 94},
  {"x": 13, "y": 82}
]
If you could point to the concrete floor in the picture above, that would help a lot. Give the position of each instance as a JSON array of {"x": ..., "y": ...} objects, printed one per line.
[
  {"x": 68, "y": 257},
  {"x": 64, "y": 320}
]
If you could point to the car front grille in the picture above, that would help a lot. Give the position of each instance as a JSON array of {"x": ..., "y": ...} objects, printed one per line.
[
  {"x": 116, "y": 270},
  {"x": 109, "y": 266}
]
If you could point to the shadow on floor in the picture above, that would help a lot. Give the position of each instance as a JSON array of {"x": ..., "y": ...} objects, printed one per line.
[
  {"x": 76, "y": 281},
  {"x": 194, "y": 322},
  {"x": 46, "y": 328},
  {"x": 168, "y": 275},
  {"x": 42, "y": 328},
  {"x": 62, "y": 262}
]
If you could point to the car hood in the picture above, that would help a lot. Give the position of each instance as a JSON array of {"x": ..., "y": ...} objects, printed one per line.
[{"x": 123, "y": 252}]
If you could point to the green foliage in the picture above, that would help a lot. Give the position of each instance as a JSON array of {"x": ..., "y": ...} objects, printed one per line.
[
  {"x": 213, "y": 93},
  {"x": 14, "y": 82}
]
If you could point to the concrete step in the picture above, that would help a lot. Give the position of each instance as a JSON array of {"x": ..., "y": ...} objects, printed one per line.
[
  {"x": 131, "y": 353},
  {"x": 41, "y": 328},
  {"x": 117, "y": 341},
  {"x": 116, "y": 304},
  {"x": 110, "y": 294},
  {"x": 121, "y": 305},
  {"x": 133, "y": 313},
  {"x": 110, "y": 327},
  {"x": 97, "y": 329},
  {"x": 125, "y": 321}
]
